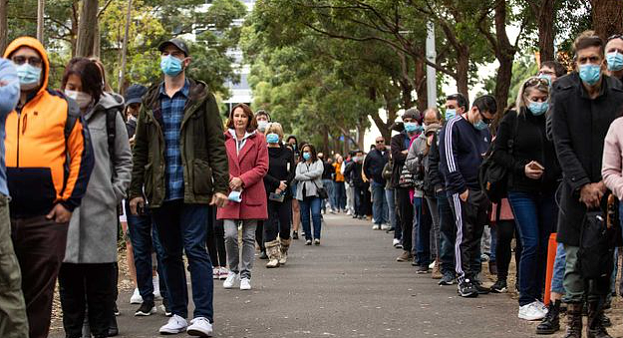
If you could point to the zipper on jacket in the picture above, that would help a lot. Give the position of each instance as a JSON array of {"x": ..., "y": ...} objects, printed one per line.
[{"x": 19, "y": 120}]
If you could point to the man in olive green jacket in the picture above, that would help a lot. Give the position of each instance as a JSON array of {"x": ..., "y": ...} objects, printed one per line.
[{"x": 180, "y": 166}]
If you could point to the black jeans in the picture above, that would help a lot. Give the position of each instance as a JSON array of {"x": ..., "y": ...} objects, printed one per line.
[
  {"x": 259, "y": 235},
  {"x": 87, "y": 285},
  {"x": 505, "y": 232},
  {"x": 405, "y": 209},
  {"x": 359, "y": 202},
  {"x": 471, "y": 217},
  {"x": 278, "y": 220},
  {"x": 216, "y": 240},
  {"x": 447, "y": 230}
]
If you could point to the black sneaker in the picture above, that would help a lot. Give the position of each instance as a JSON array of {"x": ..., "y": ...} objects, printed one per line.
[
  {"x": 295, "y": 235},
  {"x": 447, "y": 279},
  {"x": 605, "y": 321},
  {"x": 308, "y": 242},
  {"x": 165, "y": 308},
  {"x": 146, "y": 309},
  {"x": 423, "y": 268},
  {"x": 467, "y": 289},
  {"x": 481, "y": 289},
  {"x": 500, "y": 286}
]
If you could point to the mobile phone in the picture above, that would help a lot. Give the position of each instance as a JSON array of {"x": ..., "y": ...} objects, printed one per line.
[{"x": 140, "y": 210}]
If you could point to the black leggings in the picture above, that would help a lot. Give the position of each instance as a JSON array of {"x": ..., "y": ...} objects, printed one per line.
[
  {"x": 259, "y": 235},
  {"x": 215, "y": 240},
  {"x": 405, "y": 208},
  {"x": 278, "y": 220},
  {"x": 505, "y": 232}
]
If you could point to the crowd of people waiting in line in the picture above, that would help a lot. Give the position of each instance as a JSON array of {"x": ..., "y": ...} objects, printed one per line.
[{"x": 189, "y": 181}]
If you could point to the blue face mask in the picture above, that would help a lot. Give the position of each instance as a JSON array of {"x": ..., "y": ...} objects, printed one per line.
[
  {"x": 450, "y": 114},
  {"x": 306, "y": 156},
  {"x": 547, "y": 77},
  {"x": 171, "y": 65},
  {"x": 590, "y": 73},
  {"x": 615, "y": 61},
  {"x": 481, "y": 125},
  {"x": 411, "y": 127},
  {"x": 28, "y": 75},
  {"x": 538, "y": 108},
  {"x": 272, "y": 138}
]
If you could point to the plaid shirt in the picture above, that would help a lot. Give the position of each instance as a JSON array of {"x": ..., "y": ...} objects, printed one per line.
[{"x": 172, "y": 116}]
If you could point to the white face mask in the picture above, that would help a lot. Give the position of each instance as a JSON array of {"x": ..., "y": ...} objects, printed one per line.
[
  {"x": 82, "y": 99},
  {"x": 262, "y": 125}
]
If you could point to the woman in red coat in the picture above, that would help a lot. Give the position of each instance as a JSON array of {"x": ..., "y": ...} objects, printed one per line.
[{"x": 248, "y": 164}]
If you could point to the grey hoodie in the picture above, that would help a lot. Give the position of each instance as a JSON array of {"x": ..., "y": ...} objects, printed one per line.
[{"x": 92, "y": 235}]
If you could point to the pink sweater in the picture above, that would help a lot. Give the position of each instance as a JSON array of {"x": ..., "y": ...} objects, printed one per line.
[{"x": 611, "y": 169}]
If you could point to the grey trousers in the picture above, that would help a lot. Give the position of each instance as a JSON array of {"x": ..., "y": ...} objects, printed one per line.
[
  {"x": 435, "y": 229},
  {"x": 236, "y": 264}
]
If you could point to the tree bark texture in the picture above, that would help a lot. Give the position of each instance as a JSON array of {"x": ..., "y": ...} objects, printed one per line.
[
  {"x": 85, "y": 46},
  {"x": 4, "y": 25},
  {"x": 607, "y": 17},
  {"x": 543, "y": 11}
]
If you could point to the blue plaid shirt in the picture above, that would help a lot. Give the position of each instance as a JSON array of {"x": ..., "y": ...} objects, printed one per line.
[{"x": 172, "y": 116}]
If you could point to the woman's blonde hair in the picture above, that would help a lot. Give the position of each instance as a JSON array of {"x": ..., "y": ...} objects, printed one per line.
[
  {"x": 534, "y": 82},
  {"x": 276, "y": 128}
]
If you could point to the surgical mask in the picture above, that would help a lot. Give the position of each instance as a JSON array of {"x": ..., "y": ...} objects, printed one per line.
[
  {"x": 261, "y": 125},
  {"x": 170, "y": 65},
  {"x": 29, "y": 76},
  {"x": 538, "y": 108},
  {"x": 615, "y": 61},
  {"x": 547, "y": 77},
  {"x": 411, "y": 127},
  {"x": 82, "y": 99},
  {"x": 450, "y": 114},
  {"x": 306, "y": 156},
  {"x": 272, "y": 138},
  {"x": 481, "y": 125},
  {"x": 590, "y": 73}
]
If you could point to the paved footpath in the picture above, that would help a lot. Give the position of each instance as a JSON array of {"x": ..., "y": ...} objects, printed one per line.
[{"x": 350, "y": 286}]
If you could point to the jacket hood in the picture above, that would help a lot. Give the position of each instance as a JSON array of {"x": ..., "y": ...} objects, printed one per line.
[
  {"x": 231, "y": 133},
  {"x": 110, "y": 100},
  {"x": 33, "y": 43}
]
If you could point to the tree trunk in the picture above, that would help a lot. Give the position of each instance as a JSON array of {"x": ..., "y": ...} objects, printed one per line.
[
  {"x": 4, "y": 25},
  {"x": 40, "y": 19},
  {"x": 607, "y": 17},
  {"x": 462, "y": 70},
  {"x": 420, "y": 82},
  {"x": 546, "y": 16},
  {"x": 325, "y": 142},
  {"x": 87, "y": 28}
]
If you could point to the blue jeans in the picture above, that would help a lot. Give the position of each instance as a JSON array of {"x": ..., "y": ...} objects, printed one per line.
[
  {"x": 391, "y": 207},
  {"x": 559, "y": 270},
  {"x": 144, "y": 237},
  {"x": 183, "y": 228},
  {"x": 339, "y": 196},
  {"x": 328, "y": 185},
  {"x": 380, "y": 209},
  {"x": 422, "y": 228},
  {"x": 535, "y": 216},
  {"x": 447, "y": 230},
  {"x": 311, "y": 205}
]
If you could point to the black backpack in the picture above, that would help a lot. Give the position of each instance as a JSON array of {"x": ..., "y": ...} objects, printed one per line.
[{"x": 494, "y": 177}]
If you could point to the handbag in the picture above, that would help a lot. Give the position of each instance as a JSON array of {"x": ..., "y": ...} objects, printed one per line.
[
  {"x": 596, "y": 253},
  {"x": 493, "y": 176},
  {"x": 321, "y": 191}
]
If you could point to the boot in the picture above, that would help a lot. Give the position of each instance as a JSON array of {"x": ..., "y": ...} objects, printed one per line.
[
  {"x": 551, "y": 323},
  {"x": 574, "y": 320},
  {"x": 595, "y": 327},
  {"x": 113, "y": 329},
  {"x": 285, "y": 245},
  {"x": 274, "y": 253}
]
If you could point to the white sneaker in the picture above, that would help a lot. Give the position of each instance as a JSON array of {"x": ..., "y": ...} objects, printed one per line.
[
  {"x": 223, "y": 273},
  {"x": 531, "y": 311},
  {"x": 431, "y": 265},
  {"x": 541, "y": 306},
  {"x": 156, "y": 282},
  {"x": 396, "y": 243},
  {"x": 176, "y": 324},
  {"x": 136, "y": 297},
  {"x": 200, "y": 327},
  {"x": 385, "y": 226},
  {"x": 216, "y": 273},
  {"x": 376, "y": 227},
  {"x": 348, "y": 213},
  {"x": 231, "y": 281},
  {"x": 245, "y": 284}
]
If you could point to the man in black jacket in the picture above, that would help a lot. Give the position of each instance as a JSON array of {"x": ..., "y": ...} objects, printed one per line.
[
  {"x": 373, "y": 168},
  {"x": 354, "y": 171},
  {"x": 586, "y": 102}
]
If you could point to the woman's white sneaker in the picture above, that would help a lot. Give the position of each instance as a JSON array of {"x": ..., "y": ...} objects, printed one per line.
[
  {"x": 136, "y": 297},
  {"x": 231, "y": 280},
  {"x": 245, "y": 284},
  {"x": 531, "y": 311},
  {"x": 200, "y": 327},
  {"x": 175, "y": 325}
]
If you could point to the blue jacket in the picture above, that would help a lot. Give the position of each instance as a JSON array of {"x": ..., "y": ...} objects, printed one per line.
[
  {"x": 461, "y": 149},
  {"x": 9, "y": 96}
]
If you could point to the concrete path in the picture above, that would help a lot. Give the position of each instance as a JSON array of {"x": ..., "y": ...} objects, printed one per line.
[{"x": 350, "y": 286}]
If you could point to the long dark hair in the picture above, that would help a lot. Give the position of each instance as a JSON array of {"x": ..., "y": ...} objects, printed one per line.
[
  {"x": 312, "y": 150},
  {"x": 89, "y": 74}
]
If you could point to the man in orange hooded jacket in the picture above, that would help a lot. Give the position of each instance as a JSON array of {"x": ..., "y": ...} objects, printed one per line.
[{"x": 49, "y": 161}]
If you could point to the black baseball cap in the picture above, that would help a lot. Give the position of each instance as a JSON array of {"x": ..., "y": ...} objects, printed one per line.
[{"x": 181, "y": 45}]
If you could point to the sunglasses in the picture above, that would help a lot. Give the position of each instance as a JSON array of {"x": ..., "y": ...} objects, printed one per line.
[
  {"x": 33, "y": 61},
  {"x": 484, "y": 118},
  {"x": 379, "y": 142},
  {"x": 536, "y": 81}
]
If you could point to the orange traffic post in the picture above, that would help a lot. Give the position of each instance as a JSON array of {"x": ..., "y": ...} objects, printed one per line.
[{"x": 551, "y": 257}]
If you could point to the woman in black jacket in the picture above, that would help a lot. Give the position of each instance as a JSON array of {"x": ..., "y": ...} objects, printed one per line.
[
  {"x": 522, "y": 147},
  {"x": 281, "y": 170}
]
